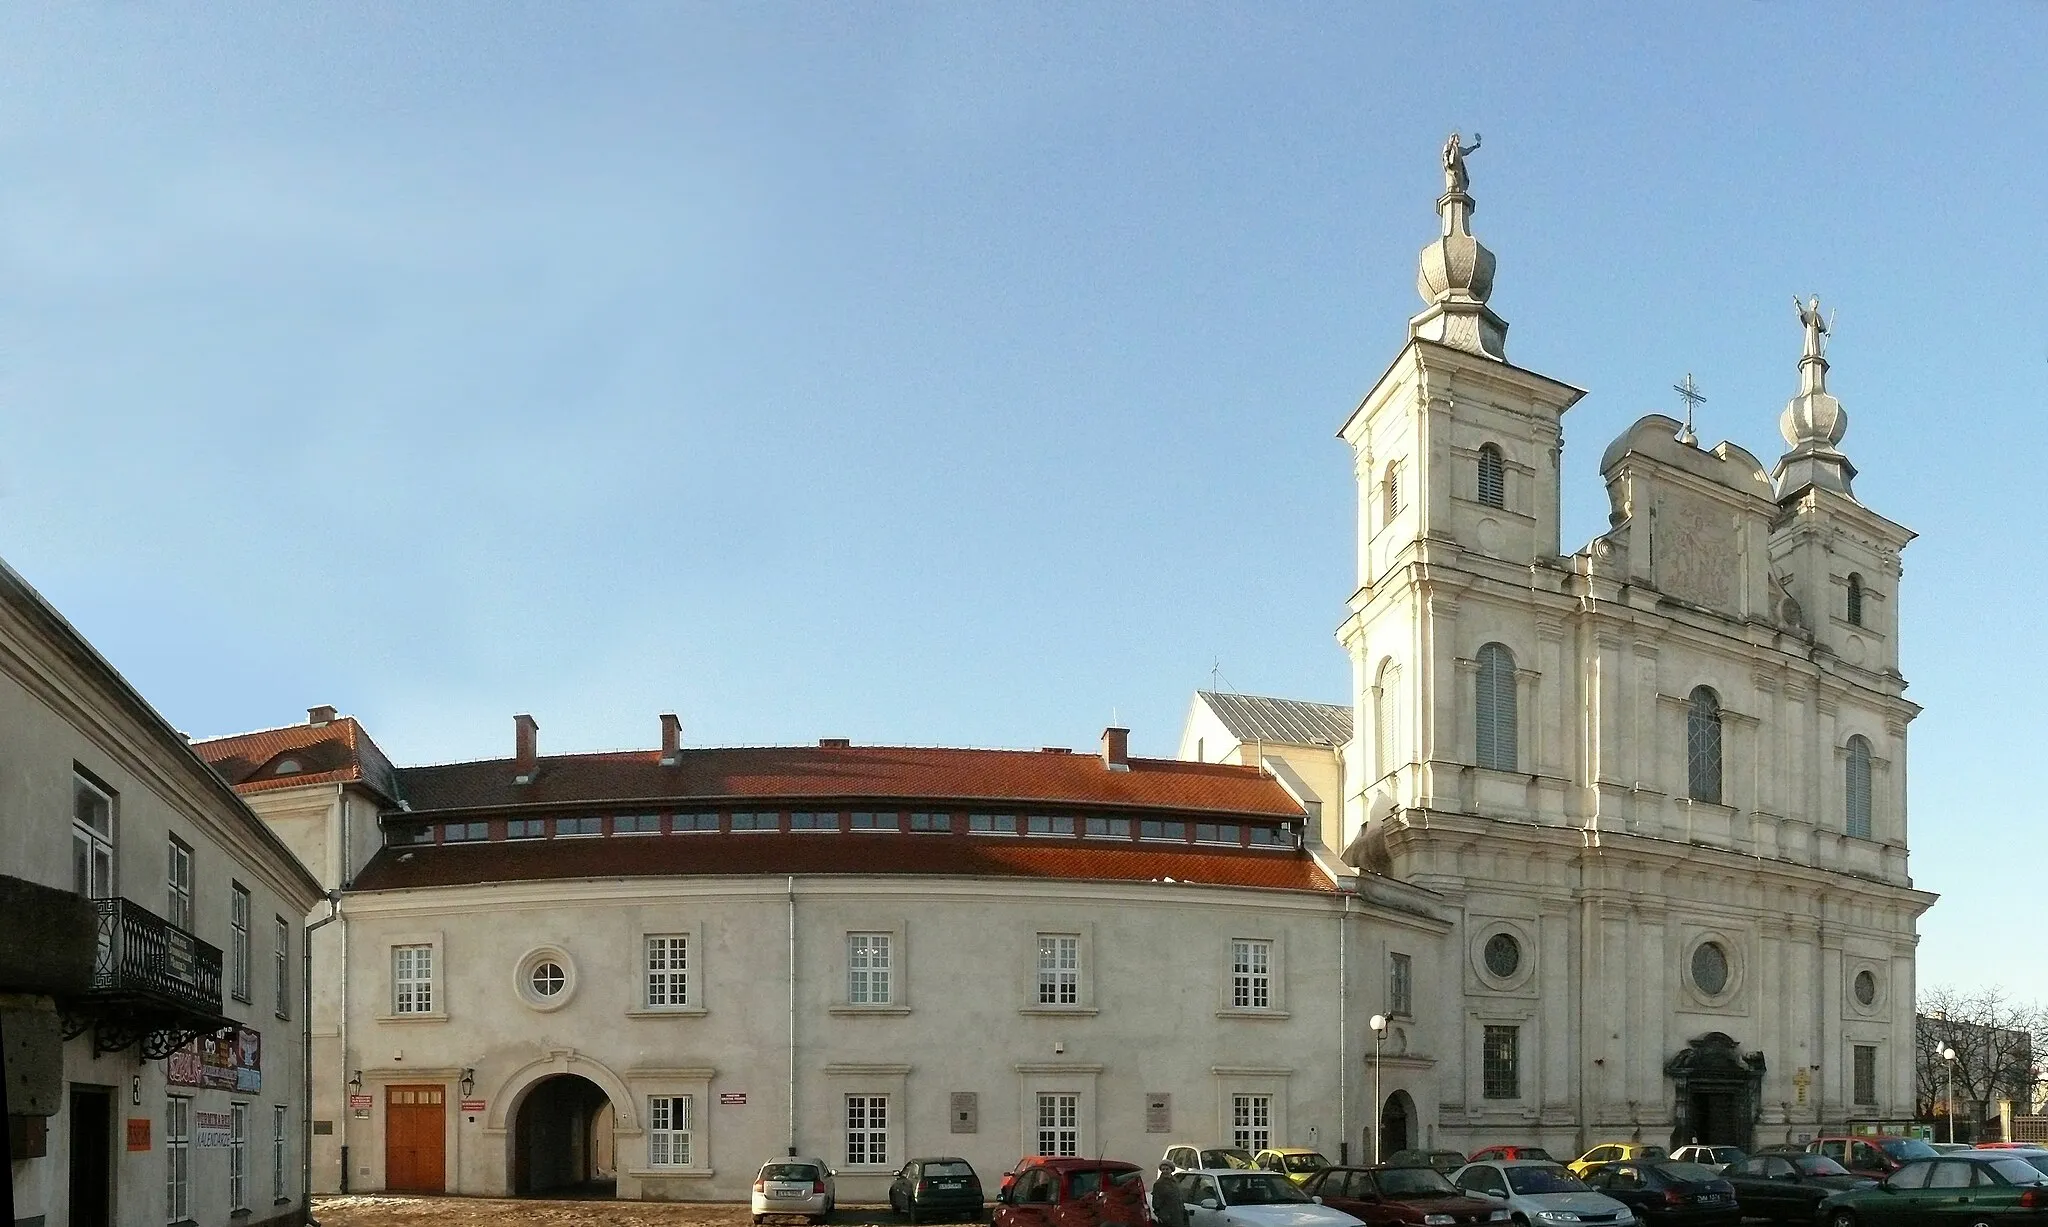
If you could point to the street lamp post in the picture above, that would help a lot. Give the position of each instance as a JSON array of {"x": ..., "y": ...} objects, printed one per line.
[
  {"x": 1948, "y": 1061},
  {"x": 1378, "y": 1023}
]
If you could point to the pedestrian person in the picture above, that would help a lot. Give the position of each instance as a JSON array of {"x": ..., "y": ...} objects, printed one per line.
[{"x": 1169, "y": 1208}]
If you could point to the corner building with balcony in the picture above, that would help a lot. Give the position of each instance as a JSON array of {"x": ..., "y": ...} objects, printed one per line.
[
  {"x": 1658, "y": 782},
  {"x": 152, "y": 957}
]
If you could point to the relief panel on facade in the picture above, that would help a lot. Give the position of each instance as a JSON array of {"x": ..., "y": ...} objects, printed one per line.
[{"x": 1696, "y": 551}]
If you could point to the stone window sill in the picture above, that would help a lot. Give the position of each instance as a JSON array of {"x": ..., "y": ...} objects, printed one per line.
[
  {"x": 667, "y": 1011},
  {"x": 1260, "y": 1015},
  {"x": 866, "y": 1011},
  {"x": 672, "y": 1173},
  {"x": 432, "y": 1017},
  {"x": 1059, "y": 1011}
]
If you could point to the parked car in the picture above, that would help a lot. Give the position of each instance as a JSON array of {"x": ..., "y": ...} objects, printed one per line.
[
  {"x": 1720, "y": 1158},
  {"x": 1788, "y": 1188},
  {"x": 1614, "y": 1152},
  {"x": 801, "y": 1187},
  {"x": 1049, "y": 1192},
  {"x": 1512, "y": 1153},
  {"x": 1387, "y": 1196},
  {"x": 1873, "y": 1155},
  {"x": 1207, "y": 1158},
  {"x": 1987, "y": 1186},
  {"x": 1666, "y": 1193},
  {"x": 1540, "y": 1192},
  {"x": 2032, "y": 1152},
  {"x": 936, "y": 1188},
  {"x": 1297, "y": 1163},
  {"x": 1233, "y": 1198},
  {"x": 1444, "y": 1161},
  {"x": 1949, "y": 1148}
]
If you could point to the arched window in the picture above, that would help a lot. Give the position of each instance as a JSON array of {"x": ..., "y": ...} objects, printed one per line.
[
  {"x": 1383, "y": 717},
  {"x": 1494, "y": 701},
  {"x": 1856, "y": 787},
  {"x": 1703, "y": 746},
  {"x": 1392, "y": 490},
  {"x": 1493, "y": 477},
  {"x": 1855, "y": 599}
]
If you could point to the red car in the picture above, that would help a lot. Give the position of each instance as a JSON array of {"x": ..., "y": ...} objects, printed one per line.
[
  {"x": 1400, "y": 1197},
  {"x": 1048, "y": 1192},
  {"x": 1508, "y": 1154}
]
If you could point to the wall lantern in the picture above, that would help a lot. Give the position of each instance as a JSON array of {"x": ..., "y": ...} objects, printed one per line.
[
  {"x": 355, "y": 1082},
  {"x": 468, "y": 1083}
]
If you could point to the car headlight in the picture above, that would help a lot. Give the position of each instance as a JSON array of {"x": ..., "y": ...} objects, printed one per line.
[{"x": 1557, "y": 1216}]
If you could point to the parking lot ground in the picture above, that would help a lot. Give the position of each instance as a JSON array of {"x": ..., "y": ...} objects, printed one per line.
[{"x": 399, "y": 1210}]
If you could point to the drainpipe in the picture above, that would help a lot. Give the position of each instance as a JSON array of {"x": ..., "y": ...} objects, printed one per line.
[
  {"x": 792, "y": 1016},
  {"x": 306, "y": 1054},
  {"x": 1343, "y": 1033}
]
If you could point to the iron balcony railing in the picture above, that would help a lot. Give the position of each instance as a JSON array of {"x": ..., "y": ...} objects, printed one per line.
[{"x": 142, "y": 954}]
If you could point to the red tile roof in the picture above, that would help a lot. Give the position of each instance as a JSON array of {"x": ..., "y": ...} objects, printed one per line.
[
  {"x": 339, "y": 751},
  {"x": 953, "y": 855},
  {"x": 871, "y": 773}
]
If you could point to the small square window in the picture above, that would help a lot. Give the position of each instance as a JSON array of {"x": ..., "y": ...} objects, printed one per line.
[
  {"x": 1055, "y": 824},
  {"x": 931, "y": 822},
  {"x": 1109, "y": 828},
  {"x": 526, "y": 828},
  {"x": 1174, "y": 832},
  {"x": 877, "y": 822},
  {"x": 757, "y": 822},
  {"x": 992, "y": 824},
  {"x": 637, "y": 824},
  {"x": 1217, "y": 833},
  {"x": 694, "y": 822},
  {"x": 813, "y": 822},
  {"x": 578, "y": 826}
]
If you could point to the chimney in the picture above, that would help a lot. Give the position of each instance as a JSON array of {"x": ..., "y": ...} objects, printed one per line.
[
  {"x": 1116, "y": 749},
  {"x": 317, "y": 716},
  {"x": 671, "y": 739},
  {"x": 527, "y": 751}
]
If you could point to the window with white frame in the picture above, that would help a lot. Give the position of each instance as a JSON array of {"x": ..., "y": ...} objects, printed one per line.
[
  {"x": 668, "y": 970},
  {"x": 238, "y": 1156},
  {"x": 277, "y": 1143},
  {"x": 1251, "y": 974},
  {"x": 412, "y": 979},
  {"x": 92, "y": 839},
  {"x": 1059, "y": 1124},
  {"x": 1400, "y": 985},
  {"x": 1059, "y": 969},
  {"x": 1251, "y": 1122},
  {"x": 281, "y": 960},
  {"x": 177, "y": 1158},
  {"x": 180, "y": 913},
  {"x": 867, "y": 1130},
  {"x": 867, "y": 969},
  {"x": 238, "y": 942},
  {"x": 668, "y": 1131}
]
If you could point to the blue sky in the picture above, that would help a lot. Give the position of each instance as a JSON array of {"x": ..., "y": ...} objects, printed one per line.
[{"x": 963, "y": 374}]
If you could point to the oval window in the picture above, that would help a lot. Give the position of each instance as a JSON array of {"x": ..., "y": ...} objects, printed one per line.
[
  {"x": 1503, "y": 955},
  {"x": 1866, "y": 988},
  {"x": 548, "y": 979},
  {"x": 1710, "y": 968}
]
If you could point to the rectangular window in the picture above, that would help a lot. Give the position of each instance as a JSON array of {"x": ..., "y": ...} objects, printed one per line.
[
  {"x": 992, "y": 824},
  {"x": 1251, "y": 976},
  {"x": 281, "y": 963},
  {"x": 1400, "y": 985},
  {"x": 1499, "y": 1065},
  {"x": 668, "y": 970},
  {"x": 1042, "y": 824},
  {"x": 668, "y": 1131},
  {"x": 867, "y": 969},
  {"x": 1866, "y": 1075},
  {"x": 180, "y": 913},
  {"x": 465, "y": 832},
  {"x": 238, "y": 1156},
  {"x": 92, "y": 839},
  {"x": 402, "y": 834},
  {"x": 867, "y": 1130},
  {"x": 526, "y": 828},
  {"x": 1109, "y": 828},
  {"x": 1251, "y": 1122},
  {"x": 1268, "y": 837},
  {"x": 177, "y": 1158},
  {"x": 1059, "y": 969},
  {"x": 694, "y": 822},
  {"x": 238, "y": 941},
  {"x": 412, "y": 979},
  {"x": 877, "y": 822},
  {"x": 1218, "y": 833},
  {"x": 1059, "y": 1125},
  {"x": 757, "y": 822},
  {"x": 277, "y": 1137},
  {"x": 931, "y": 822},
  {"x": 565, "y": 827},
  {"x": 813, "y": 822},
  {"x": 636, "y": 824},
  {"x": 1172, "y": 832}
]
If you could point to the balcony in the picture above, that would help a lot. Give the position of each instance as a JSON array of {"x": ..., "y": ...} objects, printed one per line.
[{"x": 152, "y": 983}]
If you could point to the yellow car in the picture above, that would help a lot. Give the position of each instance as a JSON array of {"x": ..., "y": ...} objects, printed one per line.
[
  {"x": 1614, "y": 1152},
  {"x": 1297, "y": 1163}
]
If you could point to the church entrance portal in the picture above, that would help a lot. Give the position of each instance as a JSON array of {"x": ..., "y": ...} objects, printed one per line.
[
  {"x": 1719, "y": 1092},
  {"x": 1396, "y": 1130},
  {"x": 562, "y": 1142}
]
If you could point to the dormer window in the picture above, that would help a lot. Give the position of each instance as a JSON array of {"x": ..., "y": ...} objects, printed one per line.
[
  {"x": 1855, "y": 599},
  {"x": 1493, "y": 477},
  {"x": 288, "y": 766}
]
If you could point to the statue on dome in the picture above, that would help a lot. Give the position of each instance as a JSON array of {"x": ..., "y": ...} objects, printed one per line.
[
  {"x": 1816, "y": 327},
  {"x": 1455, "y": 178}
]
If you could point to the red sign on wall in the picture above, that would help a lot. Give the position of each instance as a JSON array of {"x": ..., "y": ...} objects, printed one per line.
[{"x": 138, "y": 1133}]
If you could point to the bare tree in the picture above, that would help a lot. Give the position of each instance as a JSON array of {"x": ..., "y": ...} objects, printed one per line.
[{"x": 1994, "y": 1037}]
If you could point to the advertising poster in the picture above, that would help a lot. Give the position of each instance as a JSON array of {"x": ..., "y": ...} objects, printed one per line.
[{"x": 231, "y": 1061}]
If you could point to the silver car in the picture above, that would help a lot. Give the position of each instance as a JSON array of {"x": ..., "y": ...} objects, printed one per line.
[
  {"x": 801, "y": 1187},
  {"x": 1542, "y": 1194},
  {"x": 1233, "y": 1198},
  {"x": 1720, "y": 1158}
]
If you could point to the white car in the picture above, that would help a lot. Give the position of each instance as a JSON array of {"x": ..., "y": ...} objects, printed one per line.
[
  {"x": 1720, "y": 1158},
  {"x": 1233, "y": 1198},
  {"x": 801, "y": 1187},
  {"x": 1542, "y": 1194}
]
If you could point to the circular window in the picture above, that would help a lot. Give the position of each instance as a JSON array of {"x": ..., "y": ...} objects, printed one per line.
[
  {"x": 1503, "y": 955},
  {"x": 1710, "y": 968},
  {"x": 547, "y": 979},
  {"x": 1866, "y": 988}
]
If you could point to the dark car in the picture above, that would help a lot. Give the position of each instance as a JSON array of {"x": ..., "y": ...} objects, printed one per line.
[
  {"x": 936, "y": 1188},
  {"x": 1386, "y": 1196},
  {"x": 1874, "y": 1154},
  {"x": 1788, "y": 1188},
  {"x": 1444, "y": 1161},
  {"x": 1048, "y": 1192},
  {"x": 1667, "y": 1193},
  {"x": 1510, "y": 1154},
  {"x": 1984, "y": 1186}
]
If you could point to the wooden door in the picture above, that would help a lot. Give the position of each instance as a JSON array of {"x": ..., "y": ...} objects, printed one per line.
[{"x": 415, "y": 1132}]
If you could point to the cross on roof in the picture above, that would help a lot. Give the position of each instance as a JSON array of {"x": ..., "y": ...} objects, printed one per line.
[{"x": 1690, "y": 392}]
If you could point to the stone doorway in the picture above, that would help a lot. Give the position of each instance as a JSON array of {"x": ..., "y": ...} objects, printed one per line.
[
  {"x": 1719, "y": 1092},
  {"x": 563, "y": 1140},
  {"x": 1397, "y": 1124}
]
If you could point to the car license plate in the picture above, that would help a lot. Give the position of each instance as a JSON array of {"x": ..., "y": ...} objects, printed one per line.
[
  {"x": 949, "y": 1184},
  {"x": 1710, "y": 1199},
  {"x": 785, "y": 1192}
]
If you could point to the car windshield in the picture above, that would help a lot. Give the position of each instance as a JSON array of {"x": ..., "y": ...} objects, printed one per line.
[
  {"x": 1687, "y": 1173},
  {"x": 1415, "y": 1182},
  {"x": 1902, "y": 1149},
  {"x": 1259, "y": 1189},
  {"x": 1226, "y": 1158},
  {"x": 1818, "y": 1165},
  {"x": 1535, "y": 1180},
  {"x": 1531, "y": 1152},
  {"x": 1091, "y": 1180},
  {"x": 1310, "y": 1162},
  {"x": 2017, "y": 1171},
  {"x": 789, "y": 1171},
  {"x": 949, "y": 1168}
]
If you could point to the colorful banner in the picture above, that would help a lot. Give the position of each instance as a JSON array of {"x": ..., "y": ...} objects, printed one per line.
[{"x": 227, "y": 1062}]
